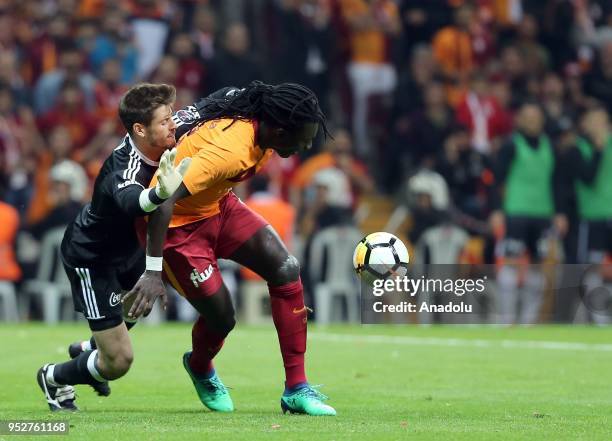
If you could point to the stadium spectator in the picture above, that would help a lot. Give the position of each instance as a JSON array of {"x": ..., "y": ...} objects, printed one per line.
[
  {"x": 204, "y": 32},
  {"x": 408, "y": 97},
  {"x": 43, "y": 54},
  {"x": 190, "y": 69},
  {"x": 598, "y": 82},
  {"x": 9, "y": 269},
  {"x": 109, "y": 90},
  {"x": 424, "y": 197},
  {"x": 481, "y": 112},
  {"x": 421, "y": 19},
  {"x": 67, "y": 191},
  {"x": 11, "y": 77},
  {"x": 468, "y": 174},
  {"x": 373, "y": 24},
  {"x": 514, "y": 71},
  {"x": 150, "y": 30},
  {"x": 535, "y": 55},
  {"x": 69, "y": 71},
  {"x": 453, "y": 50},
  {"x": 113, "y": 40},
  {"x": 306, "y": 44},
  {"x": 71, "y": 112},
  {"x": 337, "y": 154},
  {"x": 167, "y": 71},
  {"x": 427, "y": 128},
  {"x": 233, "y": 64},
  {"x": 58, "y": 148},
  {"x": 559, "y": 112}
]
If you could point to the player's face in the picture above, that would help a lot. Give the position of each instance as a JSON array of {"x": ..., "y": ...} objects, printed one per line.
[
  {"x": 160, "y": 133},
  {"x": 289, "y": 142}
]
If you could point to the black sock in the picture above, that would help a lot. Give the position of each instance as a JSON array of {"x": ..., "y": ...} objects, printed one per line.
[{"x": 76, "y": 370}]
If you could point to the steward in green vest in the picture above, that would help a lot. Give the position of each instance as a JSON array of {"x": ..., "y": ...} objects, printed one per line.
[
  {"x": 528, "y": 199},
  {"x": 591, "y": 161}
]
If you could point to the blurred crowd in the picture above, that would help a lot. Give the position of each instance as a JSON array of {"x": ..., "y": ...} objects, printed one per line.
[{"x": 422, "y": 97}]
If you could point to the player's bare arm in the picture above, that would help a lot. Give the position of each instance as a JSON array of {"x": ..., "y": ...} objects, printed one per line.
[{"x": 150, "y": 286}]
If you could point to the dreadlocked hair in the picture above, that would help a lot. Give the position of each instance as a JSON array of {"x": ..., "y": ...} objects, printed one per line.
[{"x": 287, "y": 105}]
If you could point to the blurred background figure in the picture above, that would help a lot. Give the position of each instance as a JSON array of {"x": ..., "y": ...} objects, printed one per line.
[
  {"x": 531, "y": 208},
  {"x": 591, "y": 161},
  {"x": 372, "y": 24}
]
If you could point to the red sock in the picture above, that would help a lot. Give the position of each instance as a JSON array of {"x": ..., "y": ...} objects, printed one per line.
[
  {"x": 206, "y": 344},
  {"x": 289, "y": 314}
]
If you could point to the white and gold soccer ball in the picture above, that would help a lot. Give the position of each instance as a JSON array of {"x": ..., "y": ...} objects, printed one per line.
[{"x": 379, "y": 256}]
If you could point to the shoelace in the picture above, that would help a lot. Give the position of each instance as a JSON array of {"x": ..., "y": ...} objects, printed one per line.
[
  {"x": 312, "y": 392},
  {"x": 64, "y": 394},
  {"x": 214, "y": 385}
]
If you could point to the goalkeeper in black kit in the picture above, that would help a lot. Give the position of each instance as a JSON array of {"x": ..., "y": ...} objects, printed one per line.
[{"x": 100, "y": 250}]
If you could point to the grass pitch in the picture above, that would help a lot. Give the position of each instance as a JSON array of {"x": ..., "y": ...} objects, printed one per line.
[{"x": 405, "y": 382}]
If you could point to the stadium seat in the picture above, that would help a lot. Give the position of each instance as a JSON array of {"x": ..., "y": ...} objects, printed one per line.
[
  {"x": 9, "y": 301},
  {"x": 51, "y": 284},
  {"x": 338, "y": 278},
  {"x": 254, "y": 294}
]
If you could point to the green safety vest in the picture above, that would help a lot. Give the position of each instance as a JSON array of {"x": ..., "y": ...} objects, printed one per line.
[
  {"x": 595, "y": 200},
  {"x": 529, "y": 184}
]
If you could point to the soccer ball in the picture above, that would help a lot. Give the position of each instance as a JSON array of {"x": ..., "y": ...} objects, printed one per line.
[{"x": 380, "y": 255}]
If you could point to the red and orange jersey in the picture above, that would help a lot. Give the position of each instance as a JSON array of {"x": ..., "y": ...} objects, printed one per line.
[{"x": 223, "y": 154}]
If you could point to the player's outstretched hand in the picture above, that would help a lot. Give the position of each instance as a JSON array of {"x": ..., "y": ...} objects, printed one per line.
[
  {"x": 148, "y": 288},
  {"x": 169, "y": 177}
]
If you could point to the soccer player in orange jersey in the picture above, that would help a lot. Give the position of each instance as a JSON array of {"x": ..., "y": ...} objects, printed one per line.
[{"x": 238, "y": 133}]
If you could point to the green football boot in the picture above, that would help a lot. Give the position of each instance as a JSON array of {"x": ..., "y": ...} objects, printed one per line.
[
  {"x": 306, "y": 400},
  {"x": 212, "y": 392}
]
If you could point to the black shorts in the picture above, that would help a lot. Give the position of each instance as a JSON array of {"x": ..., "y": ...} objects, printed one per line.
[
  {"x": 96, "y": 290},
  {"x": 594, "y": 240},
  {"x": 524, "y": 234}
]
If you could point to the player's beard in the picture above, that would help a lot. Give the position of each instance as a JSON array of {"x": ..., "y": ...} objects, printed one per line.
[{"x": 164, "y": 143}]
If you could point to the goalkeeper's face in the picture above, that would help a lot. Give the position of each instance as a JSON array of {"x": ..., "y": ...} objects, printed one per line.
[{"x": 162, "y": 130}]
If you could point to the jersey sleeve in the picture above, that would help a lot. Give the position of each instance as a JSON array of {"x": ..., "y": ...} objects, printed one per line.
[{"x": 126, "y": 191}]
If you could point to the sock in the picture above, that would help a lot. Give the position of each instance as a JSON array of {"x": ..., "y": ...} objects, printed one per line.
[
  {"x": 290, "y": 390},
  {"x": 290, "y": 316},
  {"x": 206, "y": 344},
  {"x": 80, "y": 370}
]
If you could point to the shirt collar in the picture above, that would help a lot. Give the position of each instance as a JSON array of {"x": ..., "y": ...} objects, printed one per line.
[{"x": 142, "y": 155}]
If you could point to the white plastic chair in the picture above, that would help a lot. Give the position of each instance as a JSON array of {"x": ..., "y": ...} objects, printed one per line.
[
  {"x": 9, "y": 301},
  {"x": 51, "y": 283},
  {"x": 254, "y": 295},
  {"x": 339, "y": 280}
]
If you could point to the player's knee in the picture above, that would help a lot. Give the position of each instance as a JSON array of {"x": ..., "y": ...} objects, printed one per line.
[
  {"x": 224, "y": 325},
  {"x": 118, "y": 364},
  {"x": 288, "y": 271}
]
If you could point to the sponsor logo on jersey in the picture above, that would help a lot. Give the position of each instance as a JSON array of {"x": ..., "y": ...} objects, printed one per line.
[
  {"x": 201, "y": 277},
  {"x": 188, "y": 115},
  {"x": 114, "y": 299}
]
